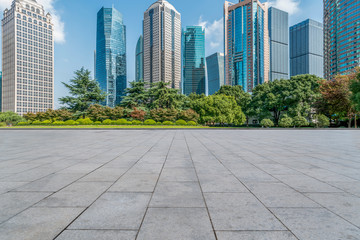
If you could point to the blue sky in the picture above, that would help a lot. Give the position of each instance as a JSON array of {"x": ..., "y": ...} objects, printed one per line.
[{"x": 76, "y": 27}]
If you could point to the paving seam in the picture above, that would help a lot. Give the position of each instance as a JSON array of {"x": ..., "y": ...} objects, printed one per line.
[
  {"x": 113, "y": 183},
  {"x": 246, "y": 187},
  {"x": 292, "y": 187},
  {"x": 157, "y": 181}
]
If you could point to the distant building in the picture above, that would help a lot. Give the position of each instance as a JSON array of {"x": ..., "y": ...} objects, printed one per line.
[
  {"x": 27, "y": 58},
  {"x": 279, "y": 44},
  {"x": 341, "y": 36},
  {"x": 111, "y": 55},
  {"x": 215, "y": 72},
  {"x": 247, "y": 49},
  {"x": 306, "y": 48},
  {"x": 162, "y": 44},
  {"x": 194, "y": 60},
  {"x": 0, "y": 90},
  {"x": 139, "y": 60}
]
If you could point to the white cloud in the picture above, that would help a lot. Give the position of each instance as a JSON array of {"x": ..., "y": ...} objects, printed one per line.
[
  {"x": 59, "y": 26},
  {"x": 290, "y": 6},
  {"x": 214, "y": 32}
]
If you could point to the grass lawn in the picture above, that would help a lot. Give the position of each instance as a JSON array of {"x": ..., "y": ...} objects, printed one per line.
[{"x": 105, "y": 126}]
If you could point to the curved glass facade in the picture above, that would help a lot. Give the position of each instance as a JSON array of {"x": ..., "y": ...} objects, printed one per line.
[
  {"x": 111, "y": 55},
  {"x": 139, "y": 61},
  {"x": 341, "y": 36},
  {"x": 194, "y": 60}
]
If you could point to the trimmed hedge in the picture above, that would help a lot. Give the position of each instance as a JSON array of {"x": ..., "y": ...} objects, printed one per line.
[
  {"x": 137, "y": 122},
  {"x": 86, "y": 121},
  {"x": 71, "y": 122},
  {"x": 191, "y": 123},
  {"x": 181, "y": 122},
  {"x": 150, "y": 122},
  {"x": 167, "y": 123}
]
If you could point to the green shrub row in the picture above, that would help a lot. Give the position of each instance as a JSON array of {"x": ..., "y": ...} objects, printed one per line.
[{"x": 87, "y": 121}]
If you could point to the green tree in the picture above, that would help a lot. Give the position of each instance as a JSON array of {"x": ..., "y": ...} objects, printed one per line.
[
  {"x": 321, "y": 120},
  {"x": 135, "y": 96},
  {"x": 10, "y": 118},
  {"x": 300, "y": 121},
  {"x": 161, "y": 96},
  {"x": 335, "y": 100},
  {"x": 84, "y": 92},
  {"x": 295, "y": 96},
  {"x": 218, "y": 109},
  {"x": 286, "y": 121},
  {"x": 242, "y": 98},
  {"x": 268, "y": 123},
  {"x": 163, "y": 114},
  {"x": 97, "y": 112}
]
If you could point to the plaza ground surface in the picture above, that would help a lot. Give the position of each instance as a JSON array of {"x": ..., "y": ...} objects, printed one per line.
[{"x": 179, "y": 184}]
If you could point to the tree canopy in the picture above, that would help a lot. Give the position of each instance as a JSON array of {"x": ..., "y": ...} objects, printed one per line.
[{"x": 84, "y": 92}]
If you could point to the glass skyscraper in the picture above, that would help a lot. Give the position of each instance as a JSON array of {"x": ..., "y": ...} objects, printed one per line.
[
  {"x": 279, "y": 44},
  {"x": 215, "y": 72},
  {"x": 341, "y": 36},
  {"x": 247, "y": 50},
  {"x": 139, "y": 60},
  {"x": 194, "y": 60},
  {"x": 306, "y": 48},
  {"x": 111, "y": 55}
]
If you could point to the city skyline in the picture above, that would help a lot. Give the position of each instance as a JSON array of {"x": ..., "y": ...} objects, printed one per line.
[{"x": 209, "y": 15}]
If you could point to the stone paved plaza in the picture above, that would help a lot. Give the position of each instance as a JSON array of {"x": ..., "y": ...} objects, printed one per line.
[{"x": 179, "y": 185}]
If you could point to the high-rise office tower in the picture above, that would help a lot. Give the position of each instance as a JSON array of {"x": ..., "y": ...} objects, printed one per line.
[
  {"x": 279, "y": 44},
  {"x": 0, "y": 89},
  {"x": 139, "y": 60},
  {"x": 306, "y": 48},
  {"x": 27, "y": 58},
  {"x": 194, "y": 60},
  {"x": 215, "y": 72},
  {"x": 341, "y": 36},
  {"x": 162, "y": 44},
  {"x": 111, "y": 55},
  {"x": 246, "y": 40}
]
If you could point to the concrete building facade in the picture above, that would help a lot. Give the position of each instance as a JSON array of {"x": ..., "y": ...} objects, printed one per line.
[
  {"x": 162, "y": 44},
  {"x": 27, "y": 58}
]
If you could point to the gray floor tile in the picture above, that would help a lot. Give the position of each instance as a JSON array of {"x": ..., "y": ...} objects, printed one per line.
[
  {"x": 114, "y": 211},
  {"x": 255, "y": 235},
  {"x": 240, "y": 211},
  {"x": 79, "y": 194},
  {"x": 12, "y": 203},
  {"x": 345, "y": 205},
  {"x": 177, "y": 194},
  {"x": 38, "y": 223},
  {"x": 176, "y": 223},
  {"x": 315, "y": 224},
  {"x": 97, "y": 235},
  {"x": 279, "y": 195},
  {"x": 131, "y": 182}
]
